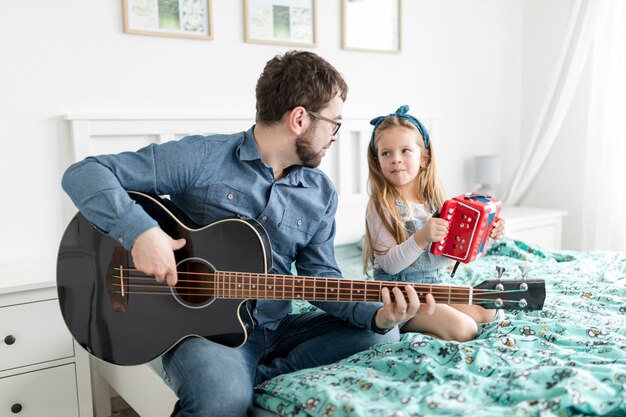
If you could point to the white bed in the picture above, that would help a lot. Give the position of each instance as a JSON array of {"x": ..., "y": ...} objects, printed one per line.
[{"x": 93, "y": 134}]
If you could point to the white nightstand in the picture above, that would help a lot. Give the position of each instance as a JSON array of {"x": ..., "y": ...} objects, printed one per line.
[
  {"x": 537, "y": 226},
  {"x": 42, "y": 373}
]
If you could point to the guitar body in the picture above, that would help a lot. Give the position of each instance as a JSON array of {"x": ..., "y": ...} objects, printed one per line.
[{"x": 130, "y": 326}]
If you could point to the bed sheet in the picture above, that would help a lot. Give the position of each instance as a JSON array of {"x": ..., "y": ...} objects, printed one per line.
[{"x": 567, "y": 360}]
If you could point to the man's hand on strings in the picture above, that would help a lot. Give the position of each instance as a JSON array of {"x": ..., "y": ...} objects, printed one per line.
[
  {"x": 401, "y": 309},
  {"x": 153, "y": 254}
]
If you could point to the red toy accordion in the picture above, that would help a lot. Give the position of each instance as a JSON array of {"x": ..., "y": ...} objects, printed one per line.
[{"x": 471, "y": 218}]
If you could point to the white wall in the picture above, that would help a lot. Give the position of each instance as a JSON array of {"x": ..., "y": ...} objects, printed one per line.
[{"x": 461, "y": 61}]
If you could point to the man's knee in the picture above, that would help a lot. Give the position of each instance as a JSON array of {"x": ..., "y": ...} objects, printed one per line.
[
  {"x": 365, "y": 339},
  {"x": 391, "y": 336}
]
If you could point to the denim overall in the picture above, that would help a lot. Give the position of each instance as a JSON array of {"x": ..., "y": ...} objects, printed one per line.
[{"x": 427, "y": 268}]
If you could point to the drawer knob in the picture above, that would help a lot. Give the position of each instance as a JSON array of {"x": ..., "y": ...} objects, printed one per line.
[
  {"x": 9, "y": 340},
  {"x": 16, "y": 408}
]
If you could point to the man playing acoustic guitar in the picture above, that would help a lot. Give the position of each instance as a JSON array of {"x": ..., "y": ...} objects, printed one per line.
[{"x": 268, "y": 173}]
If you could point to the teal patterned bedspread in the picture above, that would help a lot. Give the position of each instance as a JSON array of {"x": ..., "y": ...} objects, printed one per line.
[{"x": 567, "y": 360}]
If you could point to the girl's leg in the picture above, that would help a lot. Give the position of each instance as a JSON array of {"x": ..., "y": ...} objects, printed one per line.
[
  {"x": 479, "y": 314},
  {"x": 445, "y": 323}
]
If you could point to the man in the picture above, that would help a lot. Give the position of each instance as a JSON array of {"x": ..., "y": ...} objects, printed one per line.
[{"x": 269, "y": 174}]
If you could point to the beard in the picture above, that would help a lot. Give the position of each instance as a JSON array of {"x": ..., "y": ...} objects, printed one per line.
[{"x": 309, "y": 157}]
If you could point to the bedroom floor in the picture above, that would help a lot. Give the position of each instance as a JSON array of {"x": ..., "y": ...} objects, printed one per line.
[{"x": 119, "y": 408}]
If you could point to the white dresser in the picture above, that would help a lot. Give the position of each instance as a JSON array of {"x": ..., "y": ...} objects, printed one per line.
[
  {"x": 536, "y": 226},
  {"x": 42, "y": 373}
]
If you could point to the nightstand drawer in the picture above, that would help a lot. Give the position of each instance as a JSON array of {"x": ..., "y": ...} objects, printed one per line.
[
  {"x": 49, "y": 392},
  {"x": 33, "y": 333}
]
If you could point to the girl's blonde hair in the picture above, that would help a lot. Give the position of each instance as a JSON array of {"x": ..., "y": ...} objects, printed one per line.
[{"x": 383, "y": 195}]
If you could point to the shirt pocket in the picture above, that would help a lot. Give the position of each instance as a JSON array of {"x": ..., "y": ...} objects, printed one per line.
[
  {"x": 225, "y": 201},
  {"x": 294, "y": 222},
  {"x": 294, "y": 232}
]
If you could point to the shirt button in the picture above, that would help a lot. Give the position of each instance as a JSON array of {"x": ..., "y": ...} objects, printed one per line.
[
  {"x": 120, "y": 239},
  {"x": 230, "y": 196},
  {"x": 264, "y": 218},
  {"x": 299, "y": 222}
]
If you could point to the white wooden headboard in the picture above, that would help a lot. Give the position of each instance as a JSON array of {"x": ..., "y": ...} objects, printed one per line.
[{"x": 345, "y": 163}]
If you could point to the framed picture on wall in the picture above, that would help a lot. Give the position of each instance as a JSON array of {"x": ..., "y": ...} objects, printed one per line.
[
  {"x": 282, "y": 22},
  {"x": 177, "y": 18},
  {"x": 371, "y": 25}
]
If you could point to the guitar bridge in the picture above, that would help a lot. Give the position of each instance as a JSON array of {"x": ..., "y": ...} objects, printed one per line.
[{"x": 117, "y": 280}]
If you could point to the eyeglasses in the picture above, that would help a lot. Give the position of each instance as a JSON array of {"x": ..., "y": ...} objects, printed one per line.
[{"x": 326, "y": 119}]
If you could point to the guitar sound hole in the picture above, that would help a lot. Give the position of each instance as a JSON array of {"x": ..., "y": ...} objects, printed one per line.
[{"x": 196, "y": 286}]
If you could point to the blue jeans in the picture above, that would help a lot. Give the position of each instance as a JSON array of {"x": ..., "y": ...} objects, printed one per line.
[{"x": 214, "y": 380}]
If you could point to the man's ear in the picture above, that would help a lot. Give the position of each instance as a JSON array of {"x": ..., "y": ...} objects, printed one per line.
[{"x": 297, "y": 120}]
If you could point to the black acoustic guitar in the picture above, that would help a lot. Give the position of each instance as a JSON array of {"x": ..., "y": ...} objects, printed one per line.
[{"x": 124, "y": 317}]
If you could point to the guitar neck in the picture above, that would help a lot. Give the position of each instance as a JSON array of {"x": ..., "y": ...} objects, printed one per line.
[{"x": 287, "y": 287}]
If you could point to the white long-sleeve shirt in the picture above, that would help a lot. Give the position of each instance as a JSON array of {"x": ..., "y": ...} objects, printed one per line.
[{"x": 390, "y": 255}]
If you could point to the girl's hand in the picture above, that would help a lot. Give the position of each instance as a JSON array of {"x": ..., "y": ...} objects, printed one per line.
[
  {"x": 434, "y": 230},
  {"x": 498, "y": 229},
  {"x": 401, "y": 309}
]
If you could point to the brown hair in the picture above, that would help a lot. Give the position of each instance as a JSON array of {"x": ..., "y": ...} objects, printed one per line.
[
  {"x": 297, "y": 78},
  {"x": 383, "y": 195}
]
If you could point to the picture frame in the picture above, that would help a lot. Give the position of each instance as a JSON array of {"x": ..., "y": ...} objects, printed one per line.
[
  {"x": 371, "y": 25},
  {"x": 281, "y": 22},
  {"x": 175, "y": 18}
]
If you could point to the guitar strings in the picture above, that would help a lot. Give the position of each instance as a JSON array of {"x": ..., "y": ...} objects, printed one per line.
[
  {"x": 453, "y": 300},
  {"x": 279, "y": 285},
  {"x": 260, "y": 290},
  {"x": 274, "y": 289},
  {"x": 342, "y": 282}
]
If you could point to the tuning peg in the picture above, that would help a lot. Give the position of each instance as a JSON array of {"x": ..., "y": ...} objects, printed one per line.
[
  {"x": 500, "y": 269},
  {"x": 524, "y": 269}
]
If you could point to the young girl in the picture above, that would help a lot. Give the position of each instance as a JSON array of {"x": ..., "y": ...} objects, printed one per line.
[{"x": 404, "y": 194}]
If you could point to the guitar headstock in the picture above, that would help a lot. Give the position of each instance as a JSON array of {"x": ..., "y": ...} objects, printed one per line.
[{"x": 528, "y": 294}]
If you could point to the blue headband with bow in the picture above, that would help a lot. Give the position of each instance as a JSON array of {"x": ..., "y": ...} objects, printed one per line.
[{"x": 401, "y": 113}]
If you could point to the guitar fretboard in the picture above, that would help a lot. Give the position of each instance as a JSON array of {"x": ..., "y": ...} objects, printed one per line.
[{"x": 287, "y": 287}]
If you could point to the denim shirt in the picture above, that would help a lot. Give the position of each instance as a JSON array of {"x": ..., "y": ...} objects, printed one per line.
[
  {"x": 426, "y": 269},
  {"x": 216, "y": 177}
]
